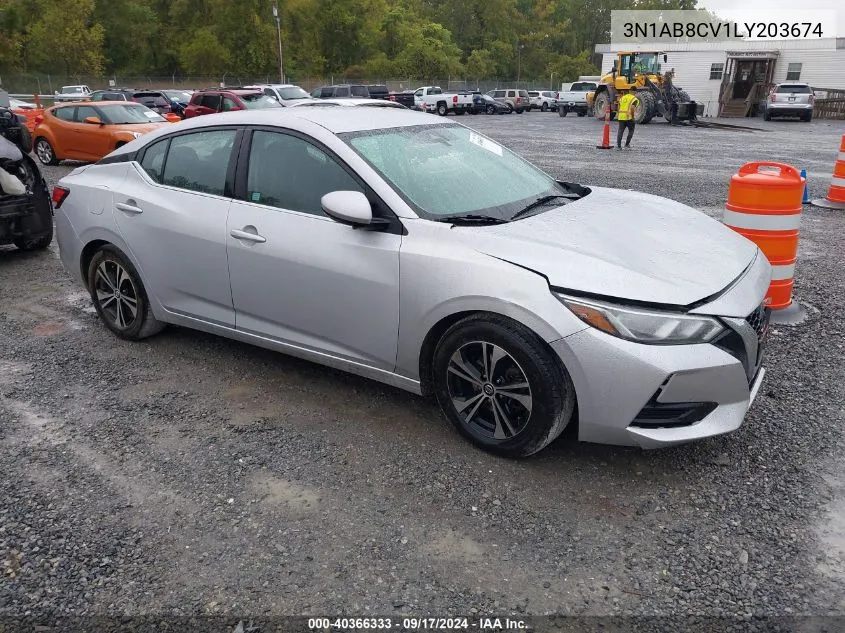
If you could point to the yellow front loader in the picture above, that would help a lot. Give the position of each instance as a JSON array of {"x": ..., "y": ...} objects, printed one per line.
[{"x": 657, "y": 95}]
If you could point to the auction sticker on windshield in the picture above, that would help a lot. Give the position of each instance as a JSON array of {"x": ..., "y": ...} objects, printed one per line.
[{"x": 490, "y": 146}]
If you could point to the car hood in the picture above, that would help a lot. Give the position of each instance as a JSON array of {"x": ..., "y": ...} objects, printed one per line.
[{"x": 622, "y": 244}]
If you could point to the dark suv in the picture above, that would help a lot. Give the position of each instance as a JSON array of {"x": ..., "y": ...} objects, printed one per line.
[
  {"x": 226, "y": 100},
  {"x": 342, "y": 91},
  {"x": 155, "y": 100},
  {"x": 113, "y": 94}
]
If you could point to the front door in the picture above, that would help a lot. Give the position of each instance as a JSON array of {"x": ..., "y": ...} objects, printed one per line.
[
  {"x": 300, "y": 277},
  {"x": 173, "y": 208},
  {"x": 89, "y": 141}
]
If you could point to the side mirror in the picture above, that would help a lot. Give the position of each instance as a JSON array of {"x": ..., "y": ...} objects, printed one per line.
[
  {"x": 348, "y": 207},
  {"x": 93, "y": 120},
  {"x": 665, "y": 58}
]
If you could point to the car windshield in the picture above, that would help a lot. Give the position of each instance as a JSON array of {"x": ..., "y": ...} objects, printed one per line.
[
  {"x": 69, "y": 90},
  {"x": 447, "y": 169},
  {"x": 258, "y": 101},
  {"x": 119, "y": 114},
  {"x": 178, "y": 95},
  {"x": 293, "y": 93},
  {"x": 794, "y": 89}
]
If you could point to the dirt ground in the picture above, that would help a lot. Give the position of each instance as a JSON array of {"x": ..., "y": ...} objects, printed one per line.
[{"x": 192, "y": 475}]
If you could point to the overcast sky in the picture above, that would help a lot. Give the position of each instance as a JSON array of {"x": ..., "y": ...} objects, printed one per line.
[{"x": 759, "y": 9}]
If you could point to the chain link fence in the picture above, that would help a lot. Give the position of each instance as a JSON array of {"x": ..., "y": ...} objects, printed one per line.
[{"x": 50, "y": 84}]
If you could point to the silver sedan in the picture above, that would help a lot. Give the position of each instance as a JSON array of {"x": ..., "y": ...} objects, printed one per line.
[{"x": 417, "y": 252}]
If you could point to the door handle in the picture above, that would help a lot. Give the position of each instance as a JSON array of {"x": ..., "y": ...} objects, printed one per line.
[
  {"x": 249, "y": 236},
  {"x": 128, "y": 208}
]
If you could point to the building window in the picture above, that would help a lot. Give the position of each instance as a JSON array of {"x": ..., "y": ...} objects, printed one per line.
[
  {"x": 793, "y": 72},
  {"x": 716, "y": 71}
]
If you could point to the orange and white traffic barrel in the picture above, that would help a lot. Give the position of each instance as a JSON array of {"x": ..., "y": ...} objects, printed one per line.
[
  {"x": 764, "y": 205},
  {"x": 836, "y": 193}
]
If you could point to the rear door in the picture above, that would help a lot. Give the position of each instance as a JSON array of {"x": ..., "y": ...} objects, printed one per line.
[
  {"x": 299, "y": 277},
  {"x": 172, "y": 211}
]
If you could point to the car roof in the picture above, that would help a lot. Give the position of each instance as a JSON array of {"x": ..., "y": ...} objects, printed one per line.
[
  {"x": 337, "y": 120},
  {"x": 350, "y": 101}
]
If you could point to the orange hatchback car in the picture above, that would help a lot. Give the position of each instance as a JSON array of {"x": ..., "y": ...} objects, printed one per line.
[{"x": 89, "y": 131}]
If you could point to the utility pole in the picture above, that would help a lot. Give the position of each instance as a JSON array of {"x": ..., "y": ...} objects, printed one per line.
[
  {"x": 279, "y": 34},
  {"x": 519, "y": 62}
]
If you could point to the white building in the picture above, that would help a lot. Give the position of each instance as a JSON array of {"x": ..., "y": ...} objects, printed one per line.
[{"x": 743, "y": 71}]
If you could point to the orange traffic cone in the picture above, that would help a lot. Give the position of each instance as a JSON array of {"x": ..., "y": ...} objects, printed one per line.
[
  {"x": 836, "y": 193},
  {"x": 605, "y": 137}
]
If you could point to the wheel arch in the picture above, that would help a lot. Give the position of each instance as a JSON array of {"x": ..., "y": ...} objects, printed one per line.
[{"x": 436, "y": 332}]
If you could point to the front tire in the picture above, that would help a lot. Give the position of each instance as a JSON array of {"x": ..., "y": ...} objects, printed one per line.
[
  {"x": 119, "y": 296},
  {"x": 491, "y": 109},
  {"x": 45, "y": 152},
  {"x": 500, "y": 386},
  {"x": 600, "y": 105}
]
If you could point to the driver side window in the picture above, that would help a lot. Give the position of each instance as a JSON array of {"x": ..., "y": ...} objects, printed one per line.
[{"x": 290, "y": 173}]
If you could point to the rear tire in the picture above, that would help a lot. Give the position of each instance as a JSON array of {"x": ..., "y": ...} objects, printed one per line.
[
  {"x": 544, "y": 107},
  {"x": 582, "y": 113},
  {"x": 562, "y": 111},
  {"x": 119, "y": 296},
  {"x": 500, "y": 386},
  {"x": 767, "y": 115},
  {"x": 807, "y": 117}
]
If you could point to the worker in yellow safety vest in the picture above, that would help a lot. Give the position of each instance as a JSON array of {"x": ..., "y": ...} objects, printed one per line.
[{"x": 625, "y": 116}]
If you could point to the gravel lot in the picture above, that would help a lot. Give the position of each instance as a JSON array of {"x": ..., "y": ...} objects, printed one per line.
[{"x": 192, "y": 475}]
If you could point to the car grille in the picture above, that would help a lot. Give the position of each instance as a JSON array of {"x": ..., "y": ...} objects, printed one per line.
[{"x": 733, "y": 343}]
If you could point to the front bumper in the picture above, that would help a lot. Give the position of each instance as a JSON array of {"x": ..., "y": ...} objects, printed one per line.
[{"x": 653, "y": 396}]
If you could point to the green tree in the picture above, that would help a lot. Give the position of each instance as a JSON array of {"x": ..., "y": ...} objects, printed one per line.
[
  {"x": 66, "y": 37},
  {"x": 480, "y": 64},
  {"x": 203, "y": 54}
]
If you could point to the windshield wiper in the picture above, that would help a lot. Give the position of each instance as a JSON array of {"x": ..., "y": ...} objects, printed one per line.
[
  {"x": 539, "y": 202},
  {"x": 471, "y": 219}
]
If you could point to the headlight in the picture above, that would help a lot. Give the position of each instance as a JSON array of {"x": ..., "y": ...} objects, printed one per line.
[
  {"x": 643, "y": 325},
  {"x": 136, "y": 134}
]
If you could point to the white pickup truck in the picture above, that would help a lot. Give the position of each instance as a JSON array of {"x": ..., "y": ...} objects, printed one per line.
[
  {"x": 433, "y": 99},
  {"x": 573, "y": 98}
]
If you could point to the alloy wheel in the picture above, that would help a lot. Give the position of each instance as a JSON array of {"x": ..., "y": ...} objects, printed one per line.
[
  {"x": 489, "y": 391},
  {"x": 44, "y": 152},
  {"x": 116, "y": 294}
]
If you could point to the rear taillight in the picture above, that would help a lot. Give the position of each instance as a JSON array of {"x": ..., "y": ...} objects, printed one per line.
[
  {"x": 391, "y": 98},
  {"x": 455, "y": 99},
  {"x": 774, "y": 97},
  {"x": 59, "y": 195},
  {"x": 812, "y": 98}
]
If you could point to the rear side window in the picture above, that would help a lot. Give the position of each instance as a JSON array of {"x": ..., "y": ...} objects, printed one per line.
[
  {"x": 360, "y": 91},
  {"x": 210, "y": 101},
  {"x": 65, "y": 114},
  {"x": 199, "y": 161},
  {"x": 153, "y": 161},
  {"x": 341, "y": 91},
  {"x": 511, "y": 93}
]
